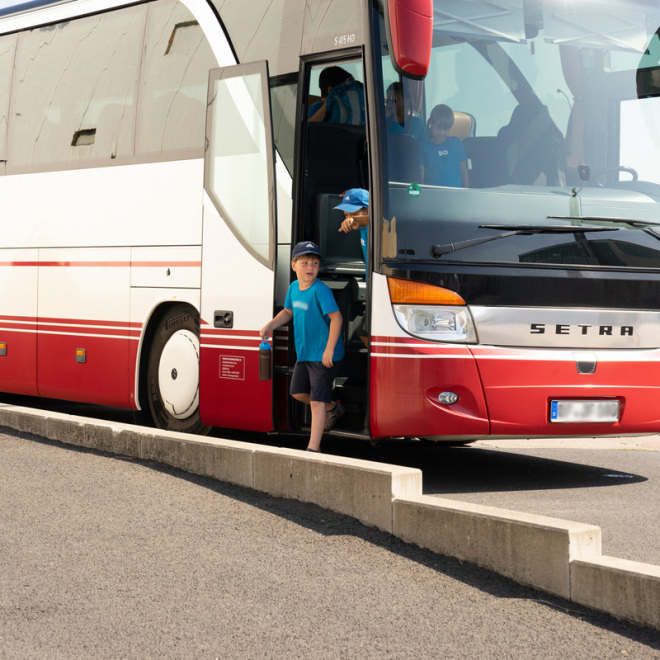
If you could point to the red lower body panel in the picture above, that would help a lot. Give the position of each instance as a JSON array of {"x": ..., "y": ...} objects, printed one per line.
[
  {"x": 231, "y": 394},
  {"x": 40, "y": 360},
  {"x": 406, "y": 378},
  {"x": 504, "y": 392},
  {"x": 105, "y": 378},
  {"x": 519, "y": 385},
  {"x": 18, "y": 367}
]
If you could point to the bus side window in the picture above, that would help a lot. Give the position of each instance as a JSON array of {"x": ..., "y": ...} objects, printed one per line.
[
  {"x": 7, "y": 50},
  {"x": 174, "y": 81},
  {"x": 58, "y": 99}
]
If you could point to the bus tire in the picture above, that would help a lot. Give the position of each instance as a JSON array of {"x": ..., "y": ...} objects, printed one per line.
[{"x": 173, "y": 372}]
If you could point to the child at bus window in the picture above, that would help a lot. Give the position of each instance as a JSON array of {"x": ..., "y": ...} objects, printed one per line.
[
  {"x": 317, "y": 326},
  {"x": 443, "y": 161},
  {"x": 342, "y": 98},
  {"x": 329, "y": 77},
  {"x": 398, "y": 115},
  {"x": 355, "y": 205}
]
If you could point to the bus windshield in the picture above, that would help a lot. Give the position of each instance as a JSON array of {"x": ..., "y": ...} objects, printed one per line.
[{"x": 536, "y": 116}]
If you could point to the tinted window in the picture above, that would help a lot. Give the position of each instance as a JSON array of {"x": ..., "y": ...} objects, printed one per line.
[
  {"x": 7, "y": 50},
  {"x": 172, "y": 106},
  {"x": 74, "y": 90},
  {"x": 545, "y": 117},
  {"x": 280, "y": 30},
  {"x": 283, "y": 108},
  {"x": 239, "y": 172}
]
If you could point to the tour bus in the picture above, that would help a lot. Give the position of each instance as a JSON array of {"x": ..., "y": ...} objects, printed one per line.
[{"x": 159, "y": 159}]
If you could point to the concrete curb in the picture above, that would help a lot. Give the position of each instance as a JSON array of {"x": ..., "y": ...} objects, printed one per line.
[
  {"x": 530, "y": 549},
  {"x": 556, "y": 556},
  {"x": 627, "y": 589}
]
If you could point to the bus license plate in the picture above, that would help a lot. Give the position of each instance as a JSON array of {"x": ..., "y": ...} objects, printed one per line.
[{"x": 581, "y": 411}]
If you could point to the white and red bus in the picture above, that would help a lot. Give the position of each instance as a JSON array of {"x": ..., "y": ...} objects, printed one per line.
[{"x": 157, "y": 164}]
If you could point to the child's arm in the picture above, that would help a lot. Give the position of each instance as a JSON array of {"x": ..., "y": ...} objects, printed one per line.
[
  {"x": 283, "y": 317},
  {"x": 465, "y": 177},
  {"x": 353, "y": 223},
  {"x": 319, "y": 115},
  {"x": 333, "y": 337}
]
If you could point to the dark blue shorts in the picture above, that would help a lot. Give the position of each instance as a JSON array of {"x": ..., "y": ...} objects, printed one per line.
[{"x": 315, "y": 379}]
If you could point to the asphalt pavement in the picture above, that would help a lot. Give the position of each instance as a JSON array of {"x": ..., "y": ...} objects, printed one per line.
[{"x": 104, "y": 557}]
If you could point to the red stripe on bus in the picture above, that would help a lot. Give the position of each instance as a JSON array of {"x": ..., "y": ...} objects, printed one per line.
[
  {"x": 225, "y": 332},
  {"x": 8, "y": 326},
  {"x": 231, "y": 344},
  {"x": 89, "y": 322},
  {"x": 74, "y": 326},
  {"x": 103, "y": 264},
  {"x": 18, "y": 319}
]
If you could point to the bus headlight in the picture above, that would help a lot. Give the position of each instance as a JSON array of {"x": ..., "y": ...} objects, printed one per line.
[{"x": 436, "y": 323}]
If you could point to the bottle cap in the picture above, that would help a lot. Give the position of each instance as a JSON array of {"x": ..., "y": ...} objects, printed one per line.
[{"x": 264, "y": 346}]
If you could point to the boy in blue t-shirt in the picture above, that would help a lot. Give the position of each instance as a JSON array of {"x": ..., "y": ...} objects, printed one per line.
[
  {"x": 319, "y": 349},
  {"x": 443, "y": 161}
]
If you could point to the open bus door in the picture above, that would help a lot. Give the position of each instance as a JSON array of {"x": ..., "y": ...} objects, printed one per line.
[{"x": 238, "y": 248}]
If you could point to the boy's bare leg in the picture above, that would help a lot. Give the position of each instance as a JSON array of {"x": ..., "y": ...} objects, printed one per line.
[
  {"x": 318, "y": 418},
  {"x": 318, "y": 425}
]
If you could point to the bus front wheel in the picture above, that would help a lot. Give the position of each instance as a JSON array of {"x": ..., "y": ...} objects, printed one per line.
[{"x": 173, "y": 372}]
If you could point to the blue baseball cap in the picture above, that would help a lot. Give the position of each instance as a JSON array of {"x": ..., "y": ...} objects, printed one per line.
[
  {"x": 354, "y": 200},
  {"x": 305, "y": 247}
]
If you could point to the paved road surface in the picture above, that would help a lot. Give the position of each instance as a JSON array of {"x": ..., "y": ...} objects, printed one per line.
[
  {"x": 610, "y": 482},
  {"x": 102, "y": 557}
]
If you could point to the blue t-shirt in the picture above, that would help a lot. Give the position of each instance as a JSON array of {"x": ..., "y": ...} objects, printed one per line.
[
  {"x": 364, "y": 244},
  {"x": 412, "y": 126},
  {"x": 314, "y": 108},
  {"x": 345, "y": 103},
  {"x": 442, "y": 162},
  {"x": 311, "y": 324}
]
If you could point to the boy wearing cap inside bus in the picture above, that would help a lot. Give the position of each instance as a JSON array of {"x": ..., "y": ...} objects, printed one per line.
[
  {"x": 319, "y": 349},
  {"x": 355, "y": 205}
]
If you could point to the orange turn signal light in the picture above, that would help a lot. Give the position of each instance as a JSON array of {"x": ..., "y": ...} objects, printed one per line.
[{"x": 404, "y": 292}]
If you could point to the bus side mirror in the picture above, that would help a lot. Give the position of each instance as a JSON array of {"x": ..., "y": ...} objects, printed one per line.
[{"x": 410, "y": 35}]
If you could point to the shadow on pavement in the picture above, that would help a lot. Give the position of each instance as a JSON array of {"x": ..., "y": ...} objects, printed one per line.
[{"x": 449, "y": 470}]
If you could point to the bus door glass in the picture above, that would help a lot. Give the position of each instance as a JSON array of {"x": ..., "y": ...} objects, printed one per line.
[{"x": 238, "y": 252}]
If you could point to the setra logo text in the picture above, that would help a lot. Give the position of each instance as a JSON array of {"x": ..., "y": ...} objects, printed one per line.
[{"x": 581, "y": 329}]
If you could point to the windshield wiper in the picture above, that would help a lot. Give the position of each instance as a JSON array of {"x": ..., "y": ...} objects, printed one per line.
[
  {"x": 514, "y": 230},
  {"x": 605, "y": 218},
  {"x": 652, "y": 228}
]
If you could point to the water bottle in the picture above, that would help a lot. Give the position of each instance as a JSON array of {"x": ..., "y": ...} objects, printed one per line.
[{"x": 265, "y": 361}]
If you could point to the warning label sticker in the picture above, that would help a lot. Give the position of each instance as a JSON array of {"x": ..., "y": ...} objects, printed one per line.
[{"x": 232, "y": 367}]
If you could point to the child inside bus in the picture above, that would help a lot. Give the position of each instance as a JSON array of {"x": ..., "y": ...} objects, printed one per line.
[
  {"x": 443, "y": 161},
  {"x": 342, "y": 99},
  {"x": 399, "y": 117},
  {"x": 329, "y": 77},
  {"x": 355, "y": 205},
  {"x": 317, "y": 324}
]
